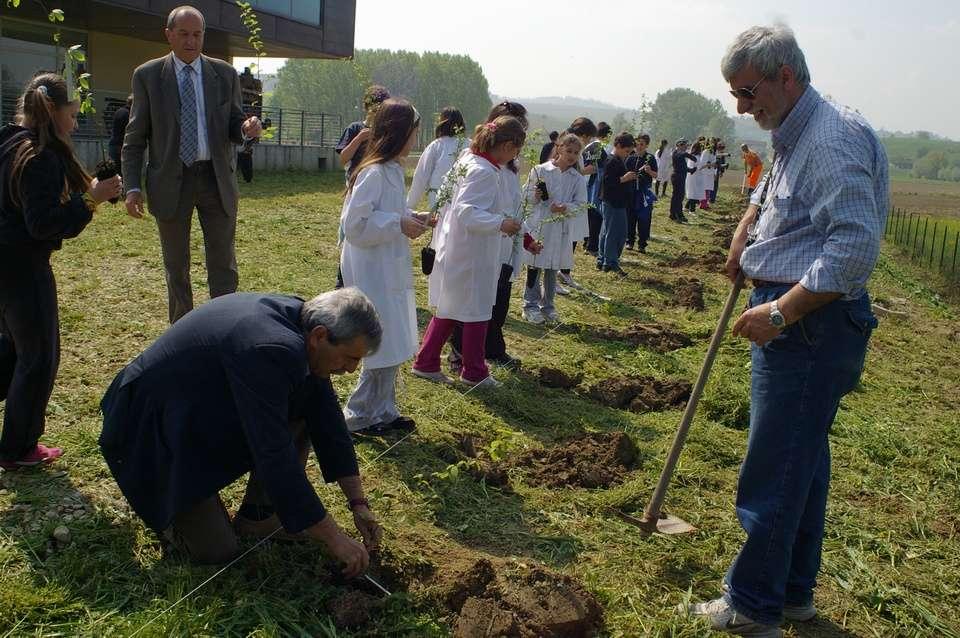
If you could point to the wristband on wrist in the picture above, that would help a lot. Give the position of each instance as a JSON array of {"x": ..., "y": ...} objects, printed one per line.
[{"x": 356, "y": 502}]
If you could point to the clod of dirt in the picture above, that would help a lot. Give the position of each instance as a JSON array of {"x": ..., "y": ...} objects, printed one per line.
[
  {"x": 535, "y": 604},
  {"x": 657, "y": 284},
  {"x": 353, "y": 609},
  {"x": 472, "y": 582},
  {"x": 683, "y": 259},
  {"x": 641, "y": 394},
  {"x": 725, "y": 235},
  {"x": 491, "y": 474},
  {"x": 689, "y": 293},
  {"x": 651, "y": 335},
  {"x": 468, "y": 445},
  {"x": 553, "y": 378},
  {"x": 714, "y": 259},
  {"x": 594, "y": 460}
]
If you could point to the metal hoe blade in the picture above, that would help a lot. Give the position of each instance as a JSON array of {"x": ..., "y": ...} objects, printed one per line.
[{"x": 370, "y": 580}]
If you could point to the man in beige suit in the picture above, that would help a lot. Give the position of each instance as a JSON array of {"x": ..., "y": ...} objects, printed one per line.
[{"x": 186, "y": 118}]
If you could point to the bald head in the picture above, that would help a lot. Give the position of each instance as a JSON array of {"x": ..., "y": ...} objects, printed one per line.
[{"x": 185, "y": 28}]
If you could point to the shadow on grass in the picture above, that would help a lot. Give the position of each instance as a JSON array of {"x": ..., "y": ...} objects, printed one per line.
[
  {"x": 820, "y": 628},
  {"x": 291, "y": 183},
  {"x": 476, "y": 514}
]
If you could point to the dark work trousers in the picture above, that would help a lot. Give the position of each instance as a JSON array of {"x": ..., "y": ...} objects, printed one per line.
[
  {"x": 566, "y": 271},
  {"x": 494, "y": 345},
  {"x": 29, "y": 346},
  {"x": 679, "y": 187},
  {"x": 204, "y": 532},
  {"x": 198, "y": 190},
  {"x": 716, "y": 187},
  {"x": 245, "y": 164},
  {"x": 631, "y": 226},
  {"x": 594, "y": 222},
  {"x": 114, "y": 151}
]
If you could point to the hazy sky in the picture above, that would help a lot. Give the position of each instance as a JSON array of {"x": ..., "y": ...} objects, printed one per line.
[{"x": 895, "y": 61}]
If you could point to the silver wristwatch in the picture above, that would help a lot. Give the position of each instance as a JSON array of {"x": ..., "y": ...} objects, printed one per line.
[{"x": 776, "y": 317}]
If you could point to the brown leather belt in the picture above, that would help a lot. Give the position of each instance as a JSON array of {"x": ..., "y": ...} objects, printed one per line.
[{"x": 760, "y": 283}]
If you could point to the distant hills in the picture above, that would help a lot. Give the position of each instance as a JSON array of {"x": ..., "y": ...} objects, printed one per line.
[{"x": 556, "y": 113}]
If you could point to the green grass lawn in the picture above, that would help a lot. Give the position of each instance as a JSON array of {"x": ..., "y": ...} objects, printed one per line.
[{"x": 891, "y": 554}]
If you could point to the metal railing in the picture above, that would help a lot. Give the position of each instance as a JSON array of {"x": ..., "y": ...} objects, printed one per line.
[
  {"x": 288, "y": 127},
  {"x": 933, "y": 245}
]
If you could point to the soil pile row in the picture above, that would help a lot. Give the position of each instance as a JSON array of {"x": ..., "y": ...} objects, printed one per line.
[
  {"x": 641, "y": 394},
  {"x": 594, "y": 460},
  {"x": 689, "y": 293}
]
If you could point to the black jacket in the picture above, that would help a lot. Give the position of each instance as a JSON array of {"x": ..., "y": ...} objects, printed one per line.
[
  {"x": 120, "y": 119},
  {"x": 680, "y": 168},
  {"x": 211, "y": 400},
  {"x": 42, "y": 222}
]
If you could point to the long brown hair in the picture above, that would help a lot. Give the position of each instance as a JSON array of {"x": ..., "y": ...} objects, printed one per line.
[
  {"x": 392, "y": 125},
  {"x": 35, "y": 111}
]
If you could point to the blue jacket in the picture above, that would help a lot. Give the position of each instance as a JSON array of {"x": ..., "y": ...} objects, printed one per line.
[{"x": 211, "y": 400}]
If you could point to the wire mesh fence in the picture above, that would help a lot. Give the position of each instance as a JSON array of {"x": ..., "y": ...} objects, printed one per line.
[{"x": 933, "y": 242}]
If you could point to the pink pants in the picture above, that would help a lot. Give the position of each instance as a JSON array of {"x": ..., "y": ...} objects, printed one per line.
[{"x": 438, "y": 332}]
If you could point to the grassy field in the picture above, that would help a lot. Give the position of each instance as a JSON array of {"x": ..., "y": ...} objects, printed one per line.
[{"x": 891, "y": 554}]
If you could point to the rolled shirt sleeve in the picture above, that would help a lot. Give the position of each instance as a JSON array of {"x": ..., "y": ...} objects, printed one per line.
[{"x": 846, "y": 213}]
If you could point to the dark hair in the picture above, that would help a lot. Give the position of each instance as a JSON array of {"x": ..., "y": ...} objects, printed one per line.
[
  {"x": 696, "y": 148},
  {"x": 178, "y": 11},
  {"x": 35, "y": 111},
  {"x": 449, "y": 123},
  {"x": 603, "y": 129},
  {"x": 624, "y": 140},
  {"x": 504, "y": 129},
  {"x": 663, "y": 145},
  {"x": 644, "y": 137},
  {"x": 566, "y": 139},
  {"x": 373, "y": 97},
  {"x": 392, "y": 125},
  {"x": 583, "y": 126},
  {"x": 554, "y": 135},
  {"x": 513, "y": 109}
]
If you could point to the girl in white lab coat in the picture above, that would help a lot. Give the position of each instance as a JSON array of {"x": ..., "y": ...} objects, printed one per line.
[
  {"x": 463, "y": 284},
  {"x": 564, "y": 194},
  {"x": 664, "y": 157},
  {"x": 695, "y": 191},
  {"x": 438, "y": 157},
  {"x": 707, "y": 171},
  {"x": 378, "y": 227}
]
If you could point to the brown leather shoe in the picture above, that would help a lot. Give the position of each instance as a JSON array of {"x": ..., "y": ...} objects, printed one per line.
[{"x": 259, "y": 530}]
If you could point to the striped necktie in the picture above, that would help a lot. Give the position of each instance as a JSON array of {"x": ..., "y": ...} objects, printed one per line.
[{"x": 188, "y": 117}]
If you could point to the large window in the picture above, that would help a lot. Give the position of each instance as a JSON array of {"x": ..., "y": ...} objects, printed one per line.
[{"x": 301, "y": 10}]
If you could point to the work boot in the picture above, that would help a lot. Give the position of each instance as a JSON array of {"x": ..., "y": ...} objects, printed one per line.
[{"x": 723, "y": 617}]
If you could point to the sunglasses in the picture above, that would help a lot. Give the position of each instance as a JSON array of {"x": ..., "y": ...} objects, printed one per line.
[{"x": 745, "y": 93}]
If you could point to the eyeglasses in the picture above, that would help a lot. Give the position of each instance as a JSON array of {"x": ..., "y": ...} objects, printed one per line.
[{"x": 745, "y": 93}]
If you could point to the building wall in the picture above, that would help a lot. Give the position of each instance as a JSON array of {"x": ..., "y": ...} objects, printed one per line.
[{"x": 113, "y": 59}]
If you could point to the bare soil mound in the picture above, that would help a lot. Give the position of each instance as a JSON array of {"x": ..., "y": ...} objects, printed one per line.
[
  {"x": 724, "y": 235},
  {"x": 656, "y": 284},
  {"x": 641, "y": 394},
  {"x": 681, "y": 260},
  {"x": 554, "y": 378},
  {"x": 714, "y": 260},
  {"x": 689, "y": 293},
  {"x": 353, "y": 609},
  {"x": 594, "y": 460},
  {"x": 520, "y": 605},
  {"x": 654, "y": 336}
]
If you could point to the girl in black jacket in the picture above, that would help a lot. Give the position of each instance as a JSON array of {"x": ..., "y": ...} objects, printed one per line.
[{"x": 46, "y": 196}]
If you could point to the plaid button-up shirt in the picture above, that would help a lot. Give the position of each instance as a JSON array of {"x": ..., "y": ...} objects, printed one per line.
[{"x": 826, "y": 205}]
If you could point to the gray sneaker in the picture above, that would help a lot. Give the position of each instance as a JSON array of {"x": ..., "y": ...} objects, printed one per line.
[
  {"x": 723, "y": 617},
  {"x": 436, "y": 377},
  {"x": 799, "y": 613}
]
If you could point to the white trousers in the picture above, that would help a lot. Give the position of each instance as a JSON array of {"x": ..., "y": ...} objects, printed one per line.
[{"x": 374, "y": 400}]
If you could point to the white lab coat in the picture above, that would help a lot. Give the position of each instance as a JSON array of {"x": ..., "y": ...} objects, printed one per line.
[
  {"x": 708, "y": 157},
  {"x": 437, "y": 158},
  {"x": 695, "y": 189},
  {"x": 508, "y": 200},
  {"x": 563, "y": 187},
  {"x": 664, "y": 164},
  {"x": 463, "y": 284},
  {"x": 376, "y": 259}
]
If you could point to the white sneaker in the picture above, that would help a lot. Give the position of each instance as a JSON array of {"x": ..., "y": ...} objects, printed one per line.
[
  {"x": 793, "y": 613},
  {"x": 723, "y": 617},
  {"x": 436, "y": 377},
  {"x": 561, "y": 290},
  {"x": 532, "y": 315},
  {"x": 489, "y": 383},
  {"x": 568, "y": 281}
]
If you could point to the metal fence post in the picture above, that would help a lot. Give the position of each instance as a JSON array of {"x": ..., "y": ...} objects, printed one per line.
[
  {"x": 909, "y": 236},
  {"x": 933, "y": 243},
  {"x": 302, "y": 122},
  {"x": 956, "y": 243},
  {"x": 280, "y": 127},
  {"x": 943, "y": 248},
  {"x": 923, "y": 242},
  {"x": 323, "y": 122}
]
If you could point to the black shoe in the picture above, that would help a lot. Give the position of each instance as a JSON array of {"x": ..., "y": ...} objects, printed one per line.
[
  {"x": 618, "y": 271},
  {"x": 399, "y": 424},
  {"x": 628, "y": 247},
  {"x": 683, "y": 220},
  {"x": 642, "y": 249},
  {"x": 600, "y": 266}
]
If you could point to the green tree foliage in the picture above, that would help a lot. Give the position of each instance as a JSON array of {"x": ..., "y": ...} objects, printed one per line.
[
  {"x": 685, "y": 113},
  {"x": 431, "y": 81},
  {"x": 929, "y": 165}
]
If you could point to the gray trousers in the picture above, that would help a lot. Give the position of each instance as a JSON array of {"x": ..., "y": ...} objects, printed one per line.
[
  {"x": 204, "y": 531},
  {"x": 375, "y": 399},
  {"x": 533, "y": 297},
  {"x": 198, "y": 190}
]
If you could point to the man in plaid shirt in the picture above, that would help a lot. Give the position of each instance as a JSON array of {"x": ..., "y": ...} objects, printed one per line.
[{"x": 822, "y": 209}]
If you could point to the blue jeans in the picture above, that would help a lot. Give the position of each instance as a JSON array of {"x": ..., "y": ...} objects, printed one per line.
[
  {"x": 797, "y": 382},
  {"x": 613, "y": 235}
]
